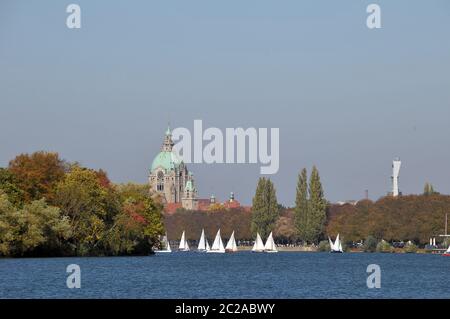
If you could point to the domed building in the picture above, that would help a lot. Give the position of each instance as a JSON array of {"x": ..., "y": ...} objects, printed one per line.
[{"x": 170, "y": 178}]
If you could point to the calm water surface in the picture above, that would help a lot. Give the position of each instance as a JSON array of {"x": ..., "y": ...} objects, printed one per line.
[{"x": 240, "y": 275}]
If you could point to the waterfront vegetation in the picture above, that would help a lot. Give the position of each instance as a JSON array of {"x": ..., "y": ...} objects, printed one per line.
[{"x": 50, "y": 207}]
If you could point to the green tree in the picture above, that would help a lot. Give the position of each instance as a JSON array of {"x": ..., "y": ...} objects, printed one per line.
[
  {"x": 301, "y": 205},
  {"x": 84, "y": 201},
  {"x": 265, "y": 208},
  {"x": 384, "y": 247},
  {"x": 38, "y": 174},
  {"x": 370, "y": 244},
  {"x": 36, "y": 229},
  {"x": 428, "y": 189},
  {"x": 7, "y": 210},
  {"x": 316, "y": 208},
  {"x": 9, "y": 185}
]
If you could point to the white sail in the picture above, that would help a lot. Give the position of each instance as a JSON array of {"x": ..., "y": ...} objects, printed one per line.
[
  {"x": 182, "y": 242},
  {"x": 184, "y": 246},
  {"x": 448, "y": 250},
  {"x": 259, "y": 245},
  {"x": 434, "y": 241},
  {"x": 331, "y": 244},
  {"x": 207, "y": 246},
  {"x": 217, "y": 246},
  {"x": 431, "y": 242},
  {"x": 202, "y": 243},
  {"x": 231, "y": 245},
  {"x": 270, "y": 244},
  {"x": 166, "y": 245},
  {"x": 337, "y": 246}
]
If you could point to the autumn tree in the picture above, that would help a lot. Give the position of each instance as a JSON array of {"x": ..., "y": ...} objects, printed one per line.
[{"x": 38, "y": 174}]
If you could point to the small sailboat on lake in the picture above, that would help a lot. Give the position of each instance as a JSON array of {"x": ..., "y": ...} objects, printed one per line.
[
  {"x": 166, "y": 245},
  {"x": 335, "y": 247},
  {"x": 217, "y": 246},
  {"x": 258, "y": 247},
  {"x": 184, "y": 246},
  {"x": 231, "y": 245},
  {"x": 203, "y": 245},
  {"x": 270, "y": 246}
]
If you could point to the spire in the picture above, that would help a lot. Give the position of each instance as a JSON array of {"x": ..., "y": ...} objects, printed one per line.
[
  {"x": 168, "y": 131},
  {"x": 168, "y": 143}
]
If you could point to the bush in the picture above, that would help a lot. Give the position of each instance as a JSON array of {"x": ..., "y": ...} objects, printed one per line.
[
  {"x": 324, "y": 246},
  {"x": 384, "y": 247},
  {"x": 370, "y": 244},
  {"x": 410, "y": 247}
]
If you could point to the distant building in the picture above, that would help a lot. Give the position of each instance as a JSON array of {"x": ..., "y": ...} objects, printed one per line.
[
  {"x": 170, "y": 178},
  {"x": 347, "y": 202},
  {"x": 174, "y": 183}
]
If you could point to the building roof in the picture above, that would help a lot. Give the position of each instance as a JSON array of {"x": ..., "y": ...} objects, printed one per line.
[{"x": 166, "y": 160}]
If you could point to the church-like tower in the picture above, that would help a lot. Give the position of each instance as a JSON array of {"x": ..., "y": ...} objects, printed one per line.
[{"x": 170, "y": 178}]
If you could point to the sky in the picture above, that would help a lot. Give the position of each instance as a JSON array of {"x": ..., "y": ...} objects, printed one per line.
[{"x": 346, "y": 98}]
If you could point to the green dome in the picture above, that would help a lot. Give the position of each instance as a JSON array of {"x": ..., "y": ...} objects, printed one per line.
[{"x": 166, "y": 160}]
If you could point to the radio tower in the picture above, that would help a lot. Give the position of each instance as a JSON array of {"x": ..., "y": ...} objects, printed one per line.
[{"x": 395, "y": 174}]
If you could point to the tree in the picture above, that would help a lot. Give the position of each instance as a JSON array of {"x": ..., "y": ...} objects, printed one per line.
[
  {"x": 83, "y": 200},
  {"x": 9, "y": 185},
  {"x": 38, "y": 174},
  {"x": 316, "y": 208},
  {"x": 137, "y": 226},
  {"x": 428, "y": 189},
  {"x": 7, "y": 210},
  {"x": 36, "y": 229},
  {"x": 265, "y": 208},
  {"x": 301, "y": 206},
  {"x": 370, "y": 244}
]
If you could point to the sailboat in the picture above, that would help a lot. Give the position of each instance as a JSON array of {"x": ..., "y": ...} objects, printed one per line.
[
  {"x": 184, "y": 246},
  {"x": 258, "y": 247},
  {"x": 270, "y": 246},
  {"x": 336, "y": 247},
  {"x": 165, "y": 241},
  {"x": 217, "y": 246},
  {"x": 447, "y": 252},
  {"x": 231, "y": 245},
  {"x": 203, "y": 245}
]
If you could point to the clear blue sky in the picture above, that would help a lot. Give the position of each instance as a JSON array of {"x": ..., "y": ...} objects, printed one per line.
[{"x": 345, "y": 98}]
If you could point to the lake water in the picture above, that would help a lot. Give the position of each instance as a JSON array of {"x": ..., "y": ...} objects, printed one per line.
[{"x": 240, "y": 275}]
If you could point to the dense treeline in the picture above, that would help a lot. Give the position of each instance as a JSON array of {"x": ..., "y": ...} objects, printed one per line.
[
  {"x": 193, "y": 222},
  {"x": 228, "y": 220},
  {"x": 415, "y": 218},
  {"x": 49, "y": 207}
]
